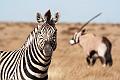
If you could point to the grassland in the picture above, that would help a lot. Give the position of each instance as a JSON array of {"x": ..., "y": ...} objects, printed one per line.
[{"x": 68, "y": 62}]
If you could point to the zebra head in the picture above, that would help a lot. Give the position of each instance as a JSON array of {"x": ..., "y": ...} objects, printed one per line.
[
  {"x": 75, "y": 39},
  {"x": 47, "y": 33}
]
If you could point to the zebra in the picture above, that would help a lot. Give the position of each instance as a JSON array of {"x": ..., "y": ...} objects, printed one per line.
[{"x": 32, "y": 60}]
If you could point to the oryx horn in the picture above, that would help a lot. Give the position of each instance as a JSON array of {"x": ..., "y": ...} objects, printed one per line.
[{"x": 89, "y": 21}]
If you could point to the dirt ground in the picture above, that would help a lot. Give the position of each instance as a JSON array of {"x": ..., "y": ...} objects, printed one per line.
[{"x": 68, "y": 62}]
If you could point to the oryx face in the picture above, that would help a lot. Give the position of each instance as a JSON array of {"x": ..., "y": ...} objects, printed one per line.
[
  {"x": 73, "y": 39},
  {"x": 76, "y": 38}
]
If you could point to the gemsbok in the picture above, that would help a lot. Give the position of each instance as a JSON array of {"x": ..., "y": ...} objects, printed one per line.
[{"x": 94, "y": 46}]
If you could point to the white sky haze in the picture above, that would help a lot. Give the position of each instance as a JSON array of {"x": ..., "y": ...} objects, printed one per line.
[{"x": 70, "y": 10}]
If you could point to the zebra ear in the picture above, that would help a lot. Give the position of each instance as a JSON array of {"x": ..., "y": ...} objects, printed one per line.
[
  {"x": 57, "y": 15},
  {"x": 47, "y": 16},
  {"x": 39, "y": 18}
]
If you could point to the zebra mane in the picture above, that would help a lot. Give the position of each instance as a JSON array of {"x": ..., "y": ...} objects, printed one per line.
[{"x": 30, "y": 37}]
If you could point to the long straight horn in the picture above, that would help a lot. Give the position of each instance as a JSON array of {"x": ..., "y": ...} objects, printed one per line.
[{"x": 89, "y": 21}]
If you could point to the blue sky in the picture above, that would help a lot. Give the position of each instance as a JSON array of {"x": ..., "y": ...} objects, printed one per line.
[{"x": 70, "y": 10}]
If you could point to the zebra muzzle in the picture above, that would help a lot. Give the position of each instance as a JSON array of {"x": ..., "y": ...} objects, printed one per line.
[{"x": 47, "y": 50}]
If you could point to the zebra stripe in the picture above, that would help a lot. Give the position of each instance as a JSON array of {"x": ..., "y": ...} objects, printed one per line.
[
  {"x": 30, "y": 62},
  {"x": 42, "y": 29}
]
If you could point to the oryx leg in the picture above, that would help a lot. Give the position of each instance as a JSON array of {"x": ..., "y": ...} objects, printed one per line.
[
  {"x": 93, "y": 57},
  {"x": 88, "y": 60},
  {"x": 93, "y": 60},
  {"x": 102, "y": 48},
  {"x": 108, "y": 57},
  {"x": 103, "y": 61}
]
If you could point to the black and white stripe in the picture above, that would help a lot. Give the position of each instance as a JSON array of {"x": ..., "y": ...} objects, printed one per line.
[{"x": 32, "y": 60}]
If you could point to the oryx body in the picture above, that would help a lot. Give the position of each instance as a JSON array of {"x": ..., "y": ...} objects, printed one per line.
[{"x": 94, "y": 47}]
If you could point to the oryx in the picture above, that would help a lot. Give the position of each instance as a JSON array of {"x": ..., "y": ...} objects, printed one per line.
[{"x": 94, "y": 46}]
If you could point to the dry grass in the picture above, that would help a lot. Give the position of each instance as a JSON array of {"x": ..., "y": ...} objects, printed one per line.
[{"x": 68, "y": 62}]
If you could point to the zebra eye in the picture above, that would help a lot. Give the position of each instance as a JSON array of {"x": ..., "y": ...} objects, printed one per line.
[
  {"x": 55, "y": 32},
  {"x": 39, "y": 32}
]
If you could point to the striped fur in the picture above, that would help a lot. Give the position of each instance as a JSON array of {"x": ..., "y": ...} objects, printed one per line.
[{"x": 32, "y": 60}]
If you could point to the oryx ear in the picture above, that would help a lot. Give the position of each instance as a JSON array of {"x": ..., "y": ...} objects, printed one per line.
[
  {"x": 83, "y": 31},
  {"x": 39, "y": 17},
  {"x": 57, "y": 15},
  {"x": 47, "y": 16}
]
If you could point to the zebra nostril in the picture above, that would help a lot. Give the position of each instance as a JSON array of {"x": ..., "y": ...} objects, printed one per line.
[{"x": 47, "y": 49}]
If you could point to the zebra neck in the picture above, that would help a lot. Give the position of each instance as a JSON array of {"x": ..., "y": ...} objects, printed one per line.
[
  {"x": 38, "y": 52},
  {"x": 35, "y": 62},
  {"x": 31, "y": 37}
]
